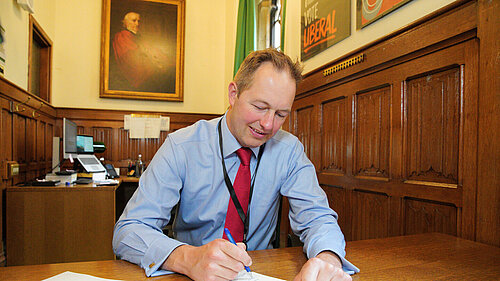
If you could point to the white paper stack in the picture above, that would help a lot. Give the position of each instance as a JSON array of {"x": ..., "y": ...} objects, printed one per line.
[{"x": 63, "y": 178}]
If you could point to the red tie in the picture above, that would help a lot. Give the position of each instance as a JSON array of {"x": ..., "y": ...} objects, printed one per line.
[{"x": 242, "y": 189}]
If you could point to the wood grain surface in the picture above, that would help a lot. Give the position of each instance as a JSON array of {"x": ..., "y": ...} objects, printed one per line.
[{"x": 431, "y": 256}]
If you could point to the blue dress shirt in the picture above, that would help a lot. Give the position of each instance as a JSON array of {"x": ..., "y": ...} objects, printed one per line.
[{"x": 187, "y": 172}]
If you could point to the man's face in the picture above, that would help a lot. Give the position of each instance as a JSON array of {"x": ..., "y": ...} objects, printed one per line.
[
  {"x": 132, "y": 22},
  {"x": 258, "y": 113}
]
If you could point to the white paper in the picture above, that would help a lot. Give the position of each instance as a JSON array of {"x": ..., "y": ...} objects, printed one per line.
[
  {"x": 126, "y": 122},
  {"x": 165, "y": 123},
  {"x": 254, "y": 276},
  {"x": 71, "y": 276},
  {"x": 144, "y": 127}
]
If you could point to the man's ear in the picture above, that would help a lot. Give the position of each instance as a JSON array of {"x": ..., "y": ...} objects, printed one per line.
[{"x": 232, "y": 92}]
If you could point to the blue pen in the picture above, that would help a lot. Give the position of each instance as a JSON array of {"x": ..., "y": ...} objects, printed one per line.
[{"x": 230, "y": 237}]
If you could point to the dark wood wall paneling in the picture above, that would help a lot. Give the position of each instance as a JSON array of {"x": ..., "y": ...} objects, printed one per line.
[
  {"x": 395, "y": 138},
  {"x": 107, "y": 126},
  {"x": 488, "y": 195},
  {"x": 28, "y": 125},
  {"x": 26, "y": 130}
]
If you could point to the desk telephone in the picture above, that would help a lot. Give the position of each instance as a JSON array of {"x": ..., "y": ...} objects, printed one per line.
[{"x": 110, "y": 170}]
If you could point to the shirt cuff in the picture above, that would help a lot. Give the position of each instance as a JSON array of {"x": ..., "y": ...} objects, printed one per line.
[
  {"x": 157, "y": 254},
  {"x": 347, "y": 266}
]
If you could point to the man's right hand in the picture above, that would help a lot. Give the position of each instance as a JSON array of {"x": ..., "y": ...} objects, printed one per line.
[{"x": 217, "y": 260}]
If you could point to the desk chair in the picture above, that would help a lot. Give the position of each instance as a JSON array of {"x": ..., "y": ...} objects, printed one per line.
[{"x": 168, "y": 230}]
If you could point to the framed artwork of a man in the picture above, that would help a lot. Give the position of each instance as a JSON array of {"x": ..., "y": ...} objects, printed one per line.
[{"x": 142, "y": 49}]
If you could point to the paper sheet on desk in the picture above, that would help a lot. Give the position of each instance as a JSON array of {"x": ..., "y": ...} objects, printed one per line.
[
  {"x": 254, "y": 276},
  {"x": 71, "y": 276},
  {"x": 106, "y": 182}
]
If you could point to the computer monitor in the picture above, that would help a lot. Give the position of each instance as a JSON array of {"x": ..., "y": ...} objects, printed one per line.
[
  {"x": 84, "y": 144},
  {"x": 69, "y": 138}
]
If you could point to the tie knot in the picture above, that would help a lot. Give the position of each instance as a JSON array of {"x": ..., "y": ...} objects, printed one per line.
[{"x": 244, "y": 154}]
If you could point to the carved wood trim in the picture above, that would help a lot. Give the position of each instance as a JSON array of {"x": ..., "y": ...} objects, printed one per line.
[
  {"x": 372, "y": 132},
  {"x": 432, "y": 125},
  {"x": 333, "y": 135}
]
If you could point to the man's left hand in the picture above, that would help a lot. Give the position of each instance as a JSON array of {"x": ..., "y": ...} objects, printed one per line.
[{"x": 325, "y": 266}]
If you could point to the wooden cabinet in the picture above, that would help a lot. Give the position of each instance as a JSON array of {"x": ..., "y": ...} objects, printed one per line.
[{"x": 59, "y": 224}]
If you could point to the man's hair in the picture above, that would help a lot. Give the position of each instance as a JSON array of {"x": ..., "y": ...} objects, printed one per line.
[
  {"x": 280, "y": 61},
  {"x": 127, "y": 18}
]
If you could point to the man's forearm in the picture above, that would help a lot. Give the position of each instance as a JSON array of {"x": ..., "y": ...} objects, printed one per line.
[{"x": 176, "y": 261}]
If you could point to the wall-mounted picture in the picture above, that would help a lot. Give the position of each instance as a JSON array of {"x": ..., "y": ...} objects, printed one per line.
[
  {"x": 368, "y": 11},
  {"x": 142, "y": 49},
  {"x": 324, "y": 23}
]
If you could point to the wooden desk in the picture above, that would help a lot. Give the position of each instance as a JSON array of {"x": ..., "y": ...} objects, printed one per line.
[
  {"x": 416, "y": 257},
  {"x": 59, "y": 224},
  {"x": 129, "y": 179}
]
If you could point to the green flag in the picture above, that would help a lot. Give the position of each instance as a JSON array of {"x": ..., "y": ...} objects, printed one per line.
[
  {"x": 245, "y": 32},
  {"x": 283, "y": 17}
]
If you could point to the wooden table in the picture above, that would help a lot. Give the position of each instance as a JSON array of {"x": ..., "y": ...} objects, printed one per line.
[{"x": 416, "y": 257}]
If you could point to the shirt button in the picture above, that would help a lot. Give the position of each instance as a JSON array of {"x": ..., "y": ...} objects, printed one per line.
[{"x": 152, "y": 264}]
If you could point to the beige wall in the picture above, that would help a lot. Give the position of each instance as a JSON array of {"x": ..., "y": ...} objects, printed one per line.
[
  {"x": 15, "y": 21},
  {"x": 401, "y": 17},
  {"x": 74, "y": 26},
  {"x": 76, "y": 72}
]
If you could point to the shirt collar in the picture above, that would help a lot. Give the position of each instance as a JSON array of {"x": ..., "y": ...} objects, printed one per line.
[{"x": 230, "y": 144}]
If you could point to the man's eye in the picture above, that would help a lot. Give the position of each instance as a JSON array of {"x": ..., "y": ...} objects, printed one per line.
[{"x": 258, "y": 107}]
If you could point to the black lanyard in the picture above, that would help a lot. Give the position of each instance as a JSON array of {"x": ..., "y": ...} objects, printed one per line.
[{"x": 230, "y": 187}]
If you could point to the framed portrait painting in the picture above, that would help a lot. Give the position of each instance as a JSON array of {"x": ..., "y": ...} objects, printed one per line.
[{"x": 142, "y": 49}]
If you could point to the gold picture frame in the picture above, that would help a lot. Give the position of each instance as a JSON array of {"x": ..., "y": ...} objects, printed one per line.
[{"x": 142, "y": 49}]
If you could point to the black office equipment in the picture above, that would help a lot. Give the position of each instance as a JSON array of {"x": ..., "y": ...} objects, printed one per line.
[
  {"x": 111, "y": 171},
  {"x": 83, "y": 181},
  {"x": 45, "y": 182},
  {"x": 65, "y": 173},
  {"x": 69, "y": 137}
]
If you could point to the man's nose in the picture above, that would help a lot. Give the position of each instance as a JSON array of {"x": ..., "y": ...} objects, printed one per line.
[{"x": 267, "y": 121}]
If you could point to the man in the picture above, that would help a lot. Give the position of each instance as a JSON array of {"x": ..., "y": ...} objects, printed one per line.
[
  {"x": 139, "y": 66},
  {"x": 189, "y": 171}
]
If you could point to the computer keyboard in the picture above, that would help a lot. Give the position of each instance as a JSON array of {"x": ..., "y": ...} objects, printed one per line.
[{"x": 88, "y": 161}]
